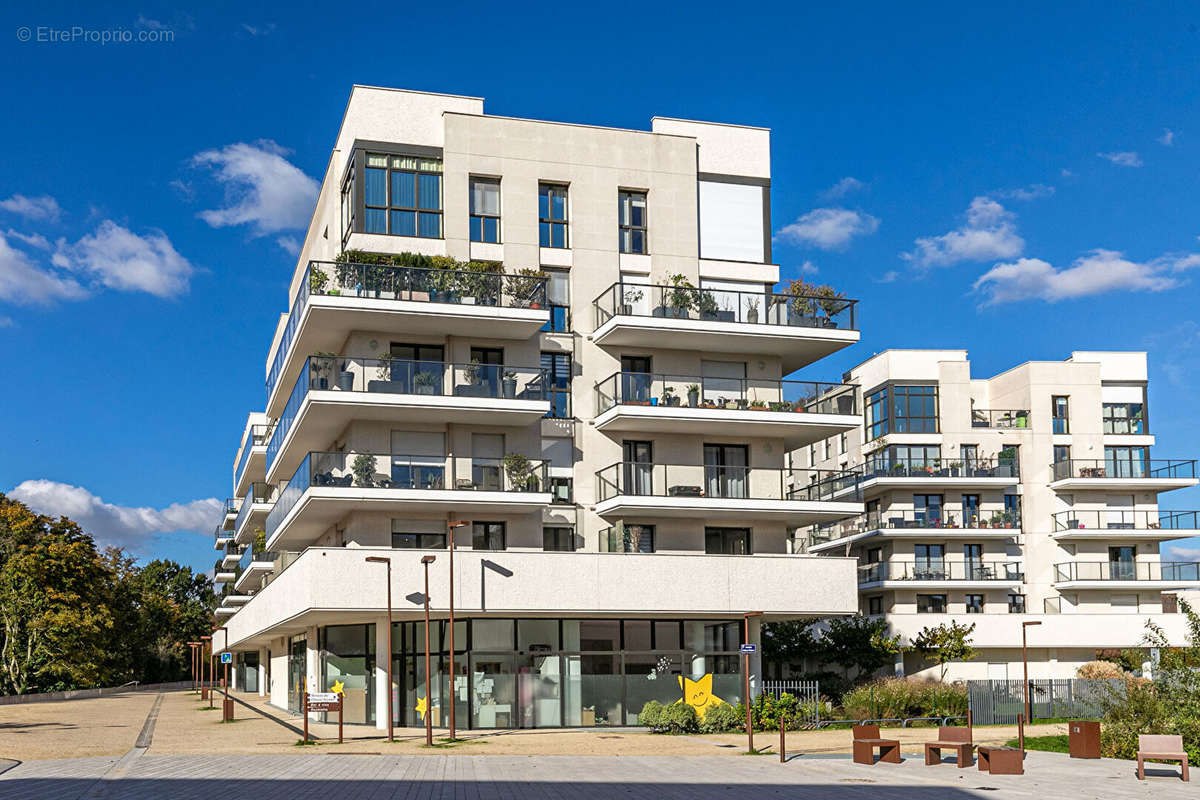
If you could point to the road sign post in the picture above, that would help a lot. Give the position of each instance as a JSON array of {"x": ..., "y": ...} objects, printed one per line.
[
  {"x": 227, "y": 702},
  {"x": 324, "y": 701}
]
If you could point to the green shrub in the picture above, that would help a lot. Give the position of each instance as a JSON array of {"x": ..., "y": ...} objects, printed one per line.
[
  {"x": 897, "y": 698},
  {"x": 1136, "y": 710},
  {"x": 721, "y": 719},
  {"x": 651, "y": 714},
  {"x": 675, "y": 718}
]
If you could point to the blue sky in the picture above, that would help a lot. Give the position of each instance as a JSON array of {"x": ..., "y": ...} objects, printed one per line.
[{"x": 1019, "y": 181}]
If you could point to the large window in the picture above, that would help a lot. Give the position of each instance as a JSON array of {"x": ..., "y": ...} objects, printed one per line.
[
  {"x": 552, "y": 215},
  {"x": 485, "y": 210},
  {"x": 727, "y": 541},
  {"x": 931, "y": 604},
  {"x": 1126, "y": 462},
  {"x": 487, "y": 536},
  {"x": 558, "y": 297},
  {"x": 631, "y": 213},
  {"x": 915, "y": 409},
  {"x": 558, "y": 539},
  {"x": 877, "y": 414},
  {"x": 558, "y": 383},
  {"x": 974, "y": 603},
  {"x": 1124, "y": 418},
  {"x": 1060, "y": 414},
  {"x": 349, "y": 202},
  {"x": 403, "y": 536},
  {"x": 402, "y": 196}
]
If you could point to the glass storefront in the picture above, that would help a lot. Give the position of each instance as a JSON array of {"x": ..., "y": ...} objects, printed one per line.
[
  {"x": 348, "y": 658},
  {"x": 297, "y": 667},
  {"x": 247, "y": 672}
]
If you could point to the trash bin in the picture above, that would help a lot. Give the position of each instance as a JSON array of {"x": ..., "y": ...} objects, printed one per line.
[
  {"x": 1083, "y": 739},
  {"x": 228, "y": 713}
]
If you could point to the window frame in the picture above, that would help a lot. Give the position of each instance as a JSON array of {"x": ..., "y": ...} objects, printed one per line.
[
  {"x": 728, "y": 534},
  {"x": 559, "y": 530},
  {"x": 976, "y": 608},
  {"x": 625, "y": 225},
  {"x": 550, "y": 187},
  {"x": 1109, "y": 422},
  {"x": 390, "y": 206},
  {"x": 1064, "y": 418},
  {"x": 473, "y": 214},
  {"x": 503, "y": 530},
  {"x": 929, "y": 609},
  {"x": 550, "y": 361}
]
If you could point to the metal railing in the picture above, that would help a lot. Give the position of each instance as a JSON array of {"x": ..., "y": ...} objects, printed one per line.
[
  {"x": 891, "y": 467},
  {"x": 220, "y": 533},
  {"x": 255, "y": 556},
  {"x": 999, "y": 418},
  {"x": 1127, "y": 571},
  {"x": 928, "y": 519},
  {"x": 259, "y": 494},
  {"x": 1126, "y": 519},
  {"x": 728, "y": 482},
  {"x": 724, "y": 305},
  {"x": 513, "y": 473},
  {"x": 736, "y": 394},
  {"x": 258, "y": 436},
  {"x": 1002, "y": 571},
  {"x": 399, "y": 376},
  {"x": 998, "y": 702},
  {"x": 1117, "y": 468}
]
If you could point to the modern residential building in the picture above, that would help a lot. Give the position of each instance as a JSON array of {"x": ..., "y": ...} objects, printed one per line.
[
  {"x": 563, "y": 346},
  {"x": 1031, "y": 496}
]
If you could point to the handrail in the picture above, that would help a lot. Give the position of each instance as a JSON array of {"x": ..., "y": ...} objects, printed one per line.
[
  {"x": 1127, "y": 571},
  {"x": 928, "y": 519},
  {"x": 886, "y": 466},
  {"x": 739, "y": 394},
  {"x": 1124, "y": 468},
  {"x": 638, "y": 478},
  {"x": 941, "y": 570},
  {"x": 1125, "y": 519},
  {"x": 724, "y": 305}
]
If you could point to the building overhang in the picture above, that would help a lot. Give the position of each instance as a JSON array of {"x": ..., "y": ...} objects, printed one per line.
[{"x": 795, "y": 429}]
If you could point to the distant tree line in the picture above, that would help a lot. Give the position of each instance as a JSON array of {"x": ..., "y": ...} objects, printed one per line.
[{"x": 74, "y": 616}]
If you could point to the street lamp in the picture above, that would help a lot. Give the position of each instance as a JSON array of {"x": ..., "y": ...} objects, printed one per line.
[
  {"x": 746, "y": 675},
  {"x": 426, "y": 561},
  {"x": 451, "y": 528},
  {"x": 225, "y": 683},
  {"x": 1025, "y": 664},
  {"x": 388, "y": 561},
  {"x": 210, "y": 668},
  {"x": 192, "y": 651}
]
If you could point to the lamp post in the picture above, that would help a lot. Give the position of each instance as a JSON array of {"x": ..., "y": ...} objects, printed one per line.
[
  {"x": 209, "y": 660},
  {"x": 746, "y": 677},
  {"x": 225, "y": 705},
  {"x": 426, "y": 561},
  {"x": 388, "y": 562},
  {"x": 1025, "y": 664},
  {"x": 451, "y": 528},
  {"x": 192, "y": 653}
]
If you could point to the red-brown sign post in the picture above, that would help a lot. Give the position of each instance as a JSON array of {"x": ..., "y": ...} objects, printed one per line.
[{"x": 324, "y": 701}]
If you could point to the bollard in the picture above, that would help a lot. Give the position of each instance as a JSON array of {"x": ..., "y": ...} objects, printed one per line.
[{"x": 782, "y": 739}]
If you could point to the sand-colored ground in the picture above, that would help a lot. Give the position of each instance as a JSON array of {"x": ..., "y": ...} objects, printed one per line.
[{"x": 110, "y": 726}]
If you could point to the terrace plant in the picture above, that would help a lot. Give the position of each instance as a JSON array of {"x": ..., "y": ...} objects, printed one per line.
[
  {"x": 524, "y": 286},
  {"x": 363, "y": 468},
  {"x": 318, "y": 279},
  {"x": 519, "y": 470},
  {"x": 682, "y": 294}
]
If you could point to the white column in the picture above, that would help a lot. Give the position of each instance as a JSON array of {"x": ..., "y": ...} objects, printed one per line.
[
  {"x": 313, "y": 660},
  {"x": 278, "y": 690},
  {"x": 898, "y": 665},
  {"x": 264, "y": 656},
  {"x": 382, "y": 690},
  {"x": 756, "y": 659}
]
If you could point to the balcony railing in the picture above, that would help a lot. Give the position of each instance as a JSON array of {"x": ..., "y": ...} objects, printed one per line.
[
  {"x": 727, "y": 482},
  {"x": 410, "y": 284},
  {"x": 1113, "y": 468},
  {"x": 513, "y": 473},
  {"x": 1125, "y": 519},
  {"x": 736, "y": 394},
  {"x": 231, "y": 505},
  {"x": 1127, "y": 571},
  {"x": 397, "y": 376},
  {"x": 220, "y": 533},
  {"x": 253, "y": 554},
  {"x": 1002, "y": 571},
  {"x": 259, "y": 435},
  {"x": 999, "y": 418},
  {"x": 259, "y": 494},
  {"x": 890, "y": 467},
  {"x": 724, "y": 305},
  {"x": 928, "y": 519}
]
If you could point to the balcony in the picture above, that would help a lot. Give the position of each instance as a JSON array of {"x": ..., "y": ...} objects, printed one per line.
[
  {"x": 255, "y": 507},
  {"x": 1115, "y": 523},
  {"x": 334, "y": 299},
  {"x": 332, "y": 391},
  {"x": 232, "y": 554},
  {"x": 887, "y": 472},
  {"x": 1157, "y": 475},
  {"x": 1127, "y": 574},
  {"x": 222, "y": 573},
  {"x": 794, "y": 497},
  {"x": 799, "y": 412},
  {"x": 252, "y": 458},
  {"x": 254, "y": 564},
  {"x": 927, "y": 525},
  {"x": 797, "y": 329},
  {"x": 939, "y": 574},
  {"x": 1002, "y": 419},
  {"x": 327, "y": 486},
  {"x": 221, "y": 537},
  {"x": 230, "y": 513}
]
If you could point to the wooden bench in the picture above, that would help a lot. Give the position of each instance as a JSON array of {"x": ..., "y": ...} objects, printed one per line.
[
  {"x": 1160, "y": 747},
  {"x": 866, "y": 740},
  {"x": 956, "y": 739},
  {"x": 1001, "y": 760}
]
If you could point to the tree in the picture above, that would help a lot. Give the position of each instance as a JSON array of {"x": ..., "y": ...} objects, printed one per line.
[
  {"x": 946, "y": 643},
  {"x": 788, "y": 643},
  {"x": 858, "y": 642}
]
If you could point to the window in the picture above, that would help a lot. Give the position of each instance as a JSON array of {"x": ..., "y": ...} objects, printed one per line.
[
  {"x": 877, "y": 414},
  {"x": 558, "y": 383},
  {"x": 973, "y": 557},
  {"x": 1060, "y": 414},
  {"x": 974, "y": 604},
  {"x": 552, "y": 215},
  {"x": 828, "y": 448},
  {"x": 905, "y": 458},
  {"x": 558, "y": 539},
  {"x": 931, "y": 561},
  {"x": 631, "y": 215},
  {"x": 633, "y": 539},
  {"x": 348, "y": 203},
  {"x": 968, "y": 454},
  {"x": 970, "y": 511},
  {"x": 842, "y": 445},
  {"x": 812, "y": 455},
  {"x": 562, "y": 490},
  {"x": 927, "y": 509},
  {"x": 402, "y": 196},
  {"x": 487, "y": 536},
  {"x": 485, "y": 210},
  {"x": 1012, "y": 508},
  {"x": 1124, "y": 418},
  {"x": 916, "y": 409},
  {"x": 558, "y": 300},
  {"x": 1126, "y": 462},
  {"x": 727, "y": 541},
  {"x": 1062, "y": 453},
  {"x": 405, "y": 539},
  {"x": 875, "y": 604},
  {"x": 1016, "y": 603},
  {"x": 931, "y": 604}
]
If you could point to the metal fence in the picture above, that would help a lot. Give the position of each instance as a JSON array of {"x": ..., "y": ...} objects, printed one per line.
[
  {"x": 807, "y": 694},
  {"x": 998, "y": 702}
]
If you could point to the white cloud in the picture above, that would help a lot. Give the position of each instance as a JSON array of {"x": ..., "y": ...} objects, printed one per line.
[
  {"x": 990, "y": 232},
  {"x": 112, "y": 524},
  {"x": 259, "y": 30},
  {"x": 31, "y": 239},
  {"x": 1033, "y": 191},
  {"x": 23, "y": 281},
  {"x": 891, "y": 276},
  {"x": 1168, "y": 137},
  {"x": 1182, "y": 553},
  {"x": 1066, "y": 173},
  {"x": 7, "y": 322},
  {"x": 117, "y": 258},
  {"x": 1123, "y": 159},
  {"x": 289, "y": 243},
  {"x": 44, "y": 208},
  {"x": 185, "y": 189},
  {"x": 829, "y": 228},
  {"x": 263, "y": 189},
  {"x": 843, "y": 187},
  {"x": 150, "y": 24},
  {"x": 1097, "y": 272},
  {"x": 809, "y": 268}
]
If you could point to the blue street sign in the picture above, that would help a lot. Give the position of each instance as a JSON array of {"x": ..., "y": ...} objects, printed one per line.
[
  {"x": 750, "y": 649},
  {"x": 226, "y": 658}
]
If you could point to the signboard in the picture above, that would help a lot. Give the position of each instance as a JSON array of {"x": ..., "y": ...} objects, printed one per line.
[
  {"x": 226, "y": 658},
  {"x": 323, "y": 697},
  {"x": 749, "y": 649},
  {"x": 323, "y": 701}
]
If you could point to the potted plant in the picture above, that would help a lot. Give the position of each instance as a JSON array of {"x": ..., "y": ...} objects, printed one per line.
[
  {"x": 363, "y": 468},
  {"x": 996, "y": 520},
  {"x": 628, "y": 299},
  {"x": 1008, "y": 518},
  {"x": 802, "y": 305},
  {"x": 758, "y": 405},
  {"x": 510, "y": 384},
  {"x": 752, "y": 310},
  {"x": 831, "y": 302},
  {"x": 345, "y": 378},
  {"x": 682, "y": 296},
  {"x": 321, "y": 367},
  {"x": 668, "y": 396},
  {"x": 524, "y": 287},
  {"x": 519, "y": 471},
  {"x": 471, "y": 372},
  {"x": 708, "y": 305},
  {"x": 1022, "y": 419},
  {"x": 317, "y": 280},
  {"x": 693, "y": 391},
  {"x": 423, "y": 381},
  {"x": 480, "y": 283}
]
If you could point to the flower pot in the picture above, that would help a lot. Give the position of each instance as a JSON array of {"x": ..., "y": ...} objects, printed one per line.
[
  {"x": 510, "y": 388},
  {"x": 322, "y": 383},
  {"x": 654, "y": 401},
  {"x": 752, "y": 316},
  {"x": 535, "y": 306},
  {"x": 346, "y": 381},
  {"x": 693, "y": 399}
]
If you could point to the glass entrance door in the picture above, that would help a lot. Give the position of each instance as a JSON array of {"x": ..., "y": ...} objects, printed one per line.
[
  {"x": 639, "y": 467},
  {"x": 539, "y": 690},
  {"x": 725, "y": 470},
  {"x": 297, "y": 667},
  {"x": 494, "y": 691}
]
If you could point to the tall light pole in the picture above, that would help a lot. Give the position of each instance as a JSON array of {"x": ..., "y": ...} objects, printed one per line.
[
  {"x": 1025, "y": 663},
  {"x": 451, "y": 528},
  {"x": 204, "y": 639},
  {"x": 426, "y": 561},
  {"x": 192, "y": 652},
  {"x": 746, "y": 676},
  {"x": 388, "y": 562},
  {"x": 225, "y": 681}
]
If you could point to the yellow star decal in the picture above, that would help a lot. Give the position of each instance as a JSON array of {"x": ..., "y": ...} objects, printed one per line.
[
  {"x": 698, "y": 694},
  {"x": 421, "y": 707},
  {"x": 338, "y": 687}
]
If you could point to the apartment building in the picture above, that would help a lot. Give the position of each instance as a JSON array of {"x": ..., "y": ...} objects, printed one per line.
[
  {"x": 1028, "y": 497},
  {"x": 562, "y": 346}
]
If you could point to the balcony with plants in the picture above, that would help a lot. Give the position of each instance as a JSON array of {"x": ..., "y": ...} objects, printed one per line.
[
  {"x": 327, "y": 486},
  {"x": 1125, "y": 523},
  {"x": 933, "y": 524},
  {"x": 255, "y": 562},
  {"x": 1102, "y": 574},
  {"x": 934, "y": 573},
  {"x": 403, "y": 293},
  {"x": 799, "y": 412},
  {"x": 1000, "y": 419},
  {"x": 1159, "y": 474},
  {"x": 882, "y": 470},
  {"x": 801, "y": 325},
  {"x": 252, "y": 454}
]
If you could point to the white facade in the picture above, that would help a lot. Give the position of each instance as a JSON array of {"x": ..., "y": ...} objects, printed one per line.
[{"x": 1029, "y": 496}]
